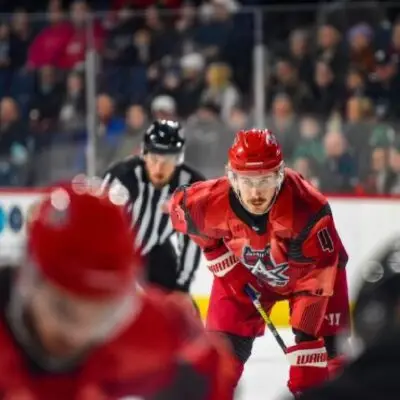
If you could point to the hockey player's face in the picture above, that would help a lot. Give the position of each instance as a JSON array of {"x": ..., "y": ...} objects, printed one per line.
[
  {"x": 67, "y": 326},
  {"x": 160, "y": 168},
  {"x": 256, "y": 193}
]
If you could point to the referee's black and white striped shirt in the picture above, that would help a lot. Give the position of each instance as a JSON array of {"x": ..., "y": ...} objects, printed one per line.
[{"x": 152, "y": 224}]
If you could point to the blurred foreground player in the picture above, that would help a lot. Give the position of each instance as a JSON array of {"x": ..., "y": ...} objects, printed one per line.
[
  {"x": 74, "y": 327},
  {"x": 374, "y": 374},
  {"x": 264, "y": 225},
  {"x": 150, "y": 179}
]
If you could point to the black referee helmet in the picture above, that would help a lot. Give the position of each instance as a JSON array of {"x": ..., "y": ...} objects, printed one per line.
[
  {"x": 164, "y": 137},
  {"x": 377, "y": 308}
]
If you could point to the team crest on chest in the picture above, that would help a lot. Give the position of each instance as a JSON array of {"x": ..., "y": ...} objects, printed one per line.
[{"x": 263, "y": 265}]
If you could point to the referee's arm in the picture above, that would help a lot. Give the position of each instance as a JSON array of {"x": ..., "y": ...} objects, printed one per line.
[
  {"x": 118, "y": 181},
  {"x": 189, "y": 261},
  {"x": 190, "y": 252}
]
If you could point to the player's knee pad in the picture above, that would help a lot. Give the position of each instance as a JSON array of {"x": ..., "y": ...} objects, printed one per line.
[{"x": 241, "y": 346}]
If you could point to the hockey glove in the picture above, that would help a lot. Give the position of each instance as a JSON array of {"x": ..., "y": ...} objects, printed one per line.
[{"x": 308, "y": 365}]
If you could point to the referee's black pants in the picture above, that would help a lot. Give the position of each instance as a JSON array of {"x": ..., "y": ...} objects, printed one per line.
[{"x": 162, "y": 266}]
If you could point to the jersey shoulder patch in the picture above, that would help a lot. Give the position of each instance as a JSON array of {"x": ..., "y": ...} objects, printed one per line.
[{"x": 207, "y": 205}]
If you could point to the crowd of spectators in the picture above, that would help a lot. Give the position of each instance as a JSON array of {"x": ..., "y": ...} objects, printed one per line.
[{"x": 332, "y": 91}]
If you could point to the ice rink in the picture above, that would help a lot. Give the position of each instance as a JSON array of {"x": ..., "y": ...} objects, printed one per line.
[{"x": 266, "y": 372}]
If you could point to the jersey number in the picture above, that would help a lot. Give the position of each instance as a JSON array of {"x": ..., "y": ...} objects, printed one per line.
[
  {"x": 333, "y": 319},
  {"x": 325, "y": 240}
]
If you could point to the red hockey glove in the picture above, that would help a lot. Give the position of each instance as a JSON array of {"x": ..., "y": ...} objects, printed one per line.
[
  {"x": 308, "y": 365},
  {"x": 231, "y": 272},
  {"x": 336, "y": 365}
]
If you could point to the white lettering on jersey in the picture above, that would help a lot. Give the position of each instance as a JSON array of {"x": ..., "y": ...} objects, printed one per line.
[{"x": 223, "y": 264}]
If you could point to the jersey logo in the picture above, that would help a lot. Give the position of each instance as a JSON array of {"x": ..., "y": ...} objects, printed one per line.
[
  {"x": 325, "y": 240},
  {"x": 262, "y": 264}
]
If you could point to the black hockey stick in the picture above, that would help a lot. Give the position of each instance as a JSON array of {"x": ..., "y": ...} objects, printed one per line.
[{"x": 254, "y": 296}]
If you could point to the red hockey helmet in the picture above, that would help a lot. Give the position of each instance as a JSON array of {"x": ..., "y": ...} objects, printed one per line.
[
  {"x": 82, "y": 242},
  {"x": 255, "y": 151}
]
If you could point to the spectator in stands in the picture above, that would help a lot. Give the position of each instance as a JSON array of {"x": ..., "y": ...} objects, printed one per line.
[
  {"x": 220, "y": 90},
  {"x": 239, "y": 119},
  {"x": 355, "y": 83},
  {"x": 376, "y": 181},
  {"x": 192, "y": 67},
  {"x": 358, "y": 130},
  {"x": 207, "y": 139},
  {"x": 169, "y": 84},
  {"x": 309, "y": 145},
  {"x": 393, "y": 178},
  {"x": 110, "y": 127},
  {"x": 286, "y": 80},
  {"x": 110, "y": 131},
  {"x": 384, "y": 85},
  {"x": 22, "y": 35},
  {"x": 329, "y": 49},
  {"x": 73, "y": 108},
  {"x": 163, "y": 107},
  {"x": 282, "y": 121},
  {"x": 119, "y": 46},
  {"x": 47, "y": 47},
  {"x": 141, "y": 4},
  {"x": 212, "y": 34},
  {"x": 361, "y": 48},
  {"x": 163, "y": 37},
  {"x": 64, "y": 44},
  {"x": 306, "y": 167},
  {"x": 394, "y": 45},
  {"x": 186, "y": 26},
  {"x": 80, "y": 36},
  {"x": 45, "y": 105},
  {"x": 5, "y": 58},
  {"x": 14, "y": 145},
  {"x": 338, "y": 173},
  {"x": 136, "y": 123},
  {"x": 326, "y": 90},
  {"x": 299, "y": 52}
]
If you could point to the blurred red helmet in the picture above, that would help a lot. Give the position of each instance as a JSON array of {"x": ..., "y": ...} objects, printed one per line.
[
  {"x": 255, "y": 151},
  {"x": 82, "y": 242}
]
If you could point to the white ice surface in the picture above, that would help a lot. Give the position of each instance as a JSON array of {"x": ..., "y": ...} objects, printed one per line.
[{"x": 266, "y": 372}]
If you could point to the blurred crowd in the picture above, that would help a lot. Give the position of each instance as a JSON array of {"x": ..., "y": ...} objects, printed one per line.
[{"x": 332, "y": 87}]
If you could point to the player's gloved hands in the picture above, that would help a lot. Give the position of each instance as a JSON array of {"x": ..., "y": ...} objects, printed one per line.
[
  {"x": 233, "y": 275},
  {"x": 308, "y": 365}
]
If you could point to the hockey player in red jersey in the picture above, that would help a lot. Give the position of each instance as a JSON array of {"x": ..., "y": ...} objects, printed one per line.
[
  {"x": 74, "y": 326},
  {"x": 264, "y": 225}
]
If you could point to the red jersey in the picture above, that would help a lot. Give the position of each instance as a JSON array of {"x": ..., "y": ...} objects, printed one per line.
[
  {"x": 164, "y": 353},
  {"x": 293, "y": 250}
]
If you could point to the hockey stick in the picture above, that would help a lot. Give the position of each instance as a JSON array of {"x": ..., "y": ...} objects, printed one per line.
[{"x": 254, "y": 296}]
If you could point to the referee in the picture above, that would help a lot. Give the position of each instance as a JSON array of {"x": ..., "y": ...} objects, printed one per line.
[{"x": 150, "y": 180}]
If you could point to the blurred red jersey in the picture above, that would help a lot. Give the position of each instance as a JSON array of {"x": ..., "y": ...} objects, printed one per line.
[
  {"x": 163, "y": 354},
  {"x": 293, "y": 252}
]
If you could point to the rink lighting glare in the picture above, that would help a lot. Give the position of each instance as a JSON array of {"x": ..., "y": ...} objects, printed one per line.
[
  {"x": 59, "y": 199},
  {"x": 116, "y": 192},
  {"x": 394, "y": 262},
  {"x": 373, "y": 272}
]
